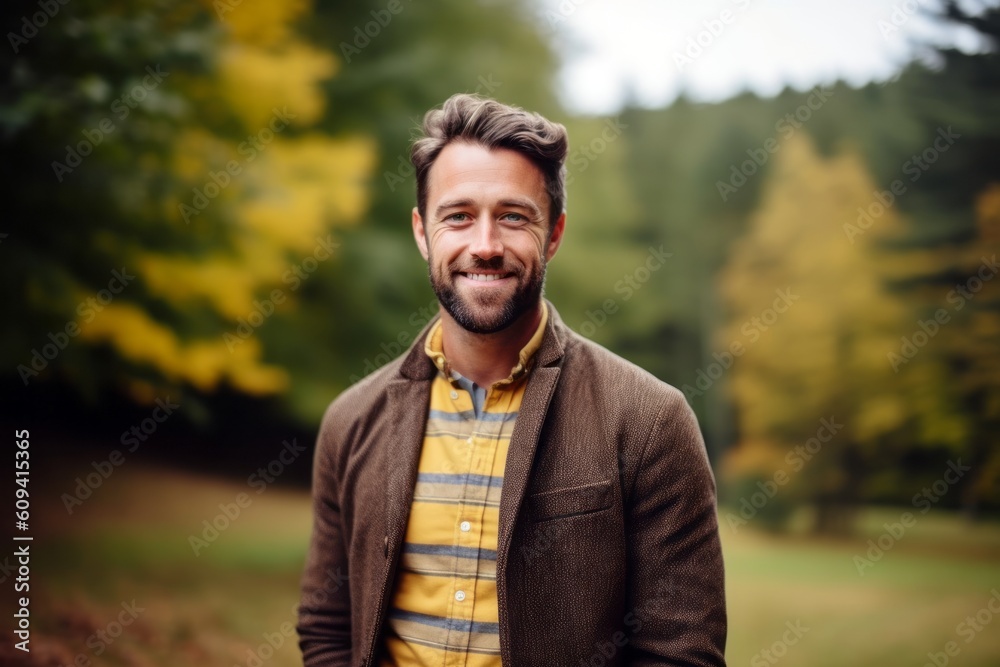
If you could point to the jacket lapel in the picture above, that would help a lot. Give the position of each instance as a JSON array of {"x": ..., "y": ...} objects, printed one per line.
[
  {"x": 521, "y": 453},
  {"x": 524, "y": 440},
  {"x": 400, "y": 456},
  {"x": 403, "y": 456},
  {"x": 408, "y": 399}
]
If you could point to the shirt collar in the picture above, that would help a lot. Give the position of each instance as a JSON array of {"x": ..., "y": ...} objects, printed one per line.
[{"x": 434, "y": 348}]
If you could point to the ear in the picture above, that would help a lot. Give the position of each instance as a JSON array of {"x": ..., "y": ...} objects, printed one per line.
[
  {"x": 555, "y": 238},
  {"x": 419, "y": 234}
]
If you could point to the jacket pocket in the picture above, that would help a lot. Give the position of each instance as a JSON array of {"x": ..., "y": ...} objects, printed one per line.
[{"x": 572, "y": 501}]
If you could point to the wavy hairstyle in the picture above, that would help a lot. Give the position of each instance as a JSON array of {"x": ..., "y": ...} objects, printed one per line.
[{"x": 492, "y": 125}]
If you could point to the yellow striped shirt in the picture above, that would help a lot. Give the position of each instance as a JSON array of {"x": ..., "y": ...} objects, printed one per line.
[{"x": 443, "y": 610}]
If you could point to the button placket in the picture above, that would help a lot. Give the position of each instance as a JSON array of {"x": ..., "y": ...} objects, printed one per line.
[{"x": 463, "y": 595}]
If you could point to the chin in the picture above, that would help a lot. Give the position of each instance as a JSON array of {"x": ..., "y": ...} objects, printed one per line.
[
  {"x": 483, "y": 321},
  {"x": 482, "y": 311}
]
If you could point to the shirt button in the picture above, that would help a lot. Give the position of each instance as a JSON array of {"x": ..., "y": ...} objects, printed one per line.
[
  {"x": 460, "y": 595},
  {"x": 465, "y": 526},
  {"x": 454, "y": 395},
  {"x": 469, "y": 440}
]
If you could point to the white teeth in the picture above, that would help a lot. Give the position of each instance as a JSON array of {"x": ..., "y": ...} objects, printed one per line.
[{"x": 484, "y": 277}]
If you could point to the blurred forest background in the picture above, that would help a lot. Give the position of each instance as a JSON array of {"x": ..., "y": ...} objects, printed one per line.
[{"x": 206, "y": 238}]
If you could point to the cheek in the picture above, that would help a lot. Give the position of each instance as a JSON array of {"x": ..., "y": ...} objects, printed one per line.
[
  {"x": 444, "y": 248},
  {"x": 532, "y": 249}
]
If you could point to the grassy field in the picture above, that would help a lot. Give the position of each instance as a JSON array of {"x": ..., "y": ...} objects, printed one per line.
[{"x": 124, "y": 557}]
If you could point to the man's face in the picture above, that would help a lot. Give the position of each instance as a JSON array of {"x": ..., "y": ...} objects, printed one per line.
[{"x": 486, "y": 235}]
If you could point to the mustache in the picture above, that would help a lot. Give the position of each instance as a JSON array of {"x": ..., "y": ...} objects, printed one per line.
[{"x": 494, "y": 264}]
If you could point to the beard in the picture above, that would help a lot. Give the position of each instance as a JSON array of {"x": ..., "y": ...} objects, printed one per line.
[{"x": 486, "y": 313}]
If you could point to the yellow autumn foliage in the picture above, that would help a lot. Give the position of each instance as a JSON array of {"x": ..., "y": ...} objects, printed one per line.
[
  {"x": 290, "y": 194},
  {"x": 263, "y": 22},
  {"x": 988, "y": 216},
  {"x": 276, "y": 190},
  {"x": 256, "y": 82},
  {"x": 226, "y": 284},
  {"x": 202, "y": 363},
  {"x": 979, "y": 341},
  {"x": 303, "y": 185},
  {"x": 826, "y": 355}
]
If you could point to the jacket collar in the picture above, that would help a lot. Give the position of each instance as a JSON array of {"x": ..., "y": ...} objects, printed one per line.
[{"x": 418, "y": 366}]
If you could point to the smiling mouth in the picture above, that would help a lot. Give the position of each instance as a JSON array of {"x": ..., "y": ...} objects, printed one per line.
[{"x": 485, "y": 277}]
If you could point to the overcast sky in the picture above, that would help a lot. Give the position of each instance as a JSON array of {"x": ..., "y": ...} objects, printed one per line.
[{"x": 649, "y": 50}]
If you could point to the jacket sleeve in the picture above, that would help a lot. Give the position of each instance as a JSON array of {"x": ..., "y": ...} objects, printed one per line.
[
  {"x": 676, "y": 587},
  {"x": 324, "y": 623}
]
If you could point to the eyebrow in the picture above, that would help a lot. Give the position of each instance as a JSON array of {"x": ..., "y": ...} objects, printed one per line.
[
  {"x": 454, "y": 203},
  {"x": 526, "y": 204}
]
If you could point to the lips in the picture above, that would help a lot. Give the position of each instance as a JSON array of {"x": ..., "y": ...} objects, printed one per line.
[{"x": 485, "y": 277}]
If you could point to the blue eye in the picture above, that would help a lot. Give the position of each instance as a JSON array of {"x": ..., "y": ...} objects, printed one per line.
[{"x": 516, "y": 217}]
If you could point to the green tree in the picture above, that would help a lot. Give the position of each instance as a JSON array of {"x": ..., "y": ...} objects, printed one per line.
[
  {"x": 813, "y": 321},
  {"x": 150, "y": 142},
  {"x": 245, "y": 190}
]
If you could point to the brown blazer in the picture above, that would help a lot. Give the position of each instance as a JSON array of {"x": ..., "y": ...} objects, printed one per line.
[{"x": 608, "y": 550}]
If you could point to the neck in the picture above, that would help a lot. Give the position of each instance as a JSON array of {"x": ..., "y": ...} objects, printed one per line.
[{"x": 487, "y": 358}]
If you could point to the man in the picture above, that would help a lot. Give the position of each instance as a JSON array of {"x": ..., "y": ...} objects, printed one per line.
[{"x": 507, "y": 492}]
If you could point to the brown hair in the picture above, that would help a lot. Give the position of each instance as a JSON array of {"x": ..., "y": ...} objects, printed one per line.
[{"x": 493, "y": 125}]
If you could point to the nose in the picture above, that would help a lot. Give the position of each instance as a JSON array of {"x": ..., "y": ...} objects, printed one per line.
[{"x": 486, "y": 241}]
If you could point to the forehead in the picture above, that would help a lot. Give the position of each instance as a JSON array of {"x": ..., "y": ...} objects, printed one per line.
[{"x": 473, "y": 170}]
